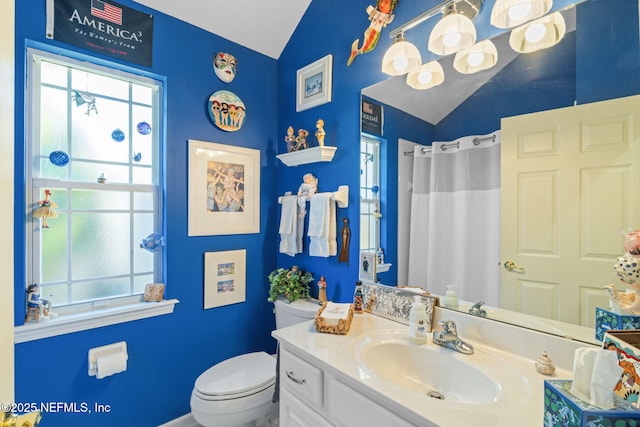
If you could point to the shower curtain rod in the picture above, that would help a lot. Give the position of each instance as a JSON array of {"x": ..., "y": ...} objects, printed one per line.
[{"x": 443, "y": 147}]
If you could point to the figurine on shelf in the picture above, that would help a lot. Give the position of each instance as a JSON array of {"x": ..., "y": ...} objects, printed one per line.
[
  {"x": 309, "y": 186},
  {"x": 301, "y": 140},
  {"x": 46, "y": 209},
  {"x": 322, "y": 290},
  {"x": 320, "y": 133},
  {"x": 290, "y": 139}
]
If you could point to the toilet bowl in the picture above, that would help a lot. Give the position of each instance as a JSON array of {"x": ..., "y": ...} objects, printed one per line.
[{"x": 238, "y": 392}]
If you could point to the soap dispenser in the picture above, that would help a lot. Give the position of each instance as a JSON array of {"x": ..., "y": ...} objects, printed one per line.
[
  {"x": 451, "y": 298},
  {"x": 418, "y": 321}
]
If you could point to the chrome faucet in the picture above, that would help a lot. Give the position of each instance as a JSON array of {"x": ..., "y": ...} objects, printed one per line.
[
  {"x": 449, "y": 338},
  {"x": 476, "y": 309}
]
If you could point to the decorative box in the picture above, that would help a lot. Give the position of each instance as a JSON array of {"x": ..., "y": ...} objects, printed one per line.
[
  {"x": 561, "y": 408},
  {"x": 334, "y": 318},
  {"x": 627, "y": 345},
  {"x": 609, "y": 321}
]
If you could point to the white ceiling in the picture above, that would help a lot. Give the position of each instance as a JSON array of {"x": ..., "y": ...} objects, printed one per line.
[{"x": 263, "y": 26}]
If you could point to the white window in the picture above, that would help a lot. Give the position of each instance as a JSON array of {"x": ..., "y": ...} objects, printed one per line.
[
  {"x": 108, "y": 124},
  {"x": 369, "y": 194}
]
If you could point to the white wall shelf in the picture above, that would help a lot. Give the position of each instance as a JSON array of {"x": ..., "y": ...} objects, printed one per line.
[{"x": 308, "y": 155}]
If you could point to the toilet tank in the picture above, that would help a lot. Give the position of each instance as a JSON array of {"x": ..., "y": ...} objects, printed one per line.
[{"x": 301, "y": 310}]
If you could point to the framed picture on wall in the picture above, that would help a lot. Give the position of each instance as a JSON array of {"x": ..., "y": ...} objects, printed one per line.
[
  {"x": 224, "y": 189},
  {"x": 314, "y": 84},
  {"x": 367, "y": 267},
  {"x": 225, "y": 275}
]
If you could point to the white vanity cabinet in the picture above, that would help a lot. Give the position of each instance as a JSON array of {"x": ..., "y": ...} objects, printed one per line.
[{"x": 314, "y": 396}]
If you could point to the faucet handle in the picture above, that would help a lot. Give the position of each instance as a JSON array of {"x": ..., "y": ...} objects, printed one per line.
[{"x": 449, "y": 327}]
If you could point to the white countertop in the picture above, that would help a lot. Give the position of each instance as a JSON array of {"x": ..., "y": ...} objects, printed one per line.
[{"x": 335, "y": 353}]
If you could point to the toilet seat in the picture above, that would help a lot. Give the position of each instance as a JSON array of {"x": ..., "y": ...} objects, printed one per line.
[{"x": 237, "y": 377}]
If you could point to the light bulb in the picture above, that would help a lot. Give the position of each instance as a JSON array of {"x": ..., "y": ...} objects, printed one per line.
[
  {"x": 400, "y": 64},
  {"x": 425, "y": 77},
  {"x": 475, "y": 58},
  {"x": 518, "y": 12},
  {"x": 451, "y": 39},
  {"x": 535, "y": 32}
]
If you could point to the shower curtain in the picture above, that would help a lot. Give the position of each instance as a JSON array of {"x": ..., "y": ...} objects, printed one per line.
[{"x": 455, "y": 218}]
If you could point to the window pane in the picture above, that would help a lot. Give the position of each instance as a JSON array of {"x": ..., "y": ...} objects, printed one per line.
[
  {"x": 101, "y": 245},
  {"x": 53, "y": 74},
  {"x": 99, "y": 85},
  {"x": 89, "y": 172},
  {"x": 139, "y": 283},
  {"x": 91, "y": 134},
  {"x": 101, "y": 288},
  {"x": 56, "y": 293},
  {"x": 142, "y": 227},
  {"x": 53, "y": 126},
  {"x": 141, "y": 94},
  {"x": 143, "y": 201},
  {"x": 142, "y": 175},
  {"x": 54, "y": 247},
  {"x": 94, "y": 200}
]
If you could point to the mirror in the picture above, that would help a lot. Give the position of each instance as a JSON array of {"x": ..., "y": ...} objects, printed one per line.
[{"x": 598, "y": 59}]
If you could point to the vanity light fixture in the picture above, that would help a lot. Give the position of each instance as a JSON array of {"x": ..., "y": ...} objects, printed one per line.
[
  {"x": 401, "y": 57},
  {"x": 539, "y": 34},
  {"x": 453, "y": 32},
  {"x": 426, "y": 76},
  {"x": 512, "y": 13},
  {"x": 480, "y": 56}
]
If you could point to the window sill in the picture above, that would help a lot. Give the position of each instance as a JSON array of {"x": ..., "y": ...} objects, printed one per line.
[{"x": 91, "y": 319}]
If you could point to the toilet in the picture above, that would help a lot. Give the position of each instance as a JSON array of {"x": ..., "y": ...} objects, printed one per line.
[{"x": 238, "y": 392}]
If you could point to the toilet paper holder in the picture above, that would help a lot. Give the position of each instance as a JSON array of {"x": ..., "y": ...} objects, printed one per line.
[{"x": 94, "y": 353}]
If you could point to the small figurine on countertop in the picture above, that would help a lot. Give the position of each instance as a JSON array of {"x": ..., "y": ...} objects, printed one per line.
[
  {"x": 322, "y": 290},
  {"x": 320, "y": 133},
  {"x": 46, "y": 209},
  {"x": 346, "y": 238},
  {"x": 309, "y": 186},
  {"x": 34, "y": 301},
  {"x": 290, "y": 139},
  {"x": 301, "y": 140},
  {"x": 545, "y": 365},
  {"x": 225, "y": 65},
  {"x": 357, "y": 298}
]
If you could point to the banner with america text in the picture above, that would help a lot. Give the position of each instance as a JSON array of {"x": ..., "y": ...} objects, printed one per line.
[{"x": 102, "y": 26}]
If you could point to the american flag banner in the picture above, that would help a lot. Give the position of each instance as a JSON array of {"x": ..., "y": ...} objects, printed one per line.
[
  {"x": 106, "y": 11},
  {"x": 371, "y": 117},
  {"x": 104, "y": 27}
]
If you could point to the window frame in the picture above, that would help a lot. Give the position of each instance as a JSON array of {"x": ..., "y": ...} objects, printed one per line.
[
  {"x": 100, "y": 311},
  {"x": 373, "y": 202}
]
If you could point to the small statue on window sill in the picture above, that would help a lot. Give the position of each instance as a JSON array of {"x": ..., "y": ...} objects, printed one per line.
[{"x": 42, "y": 305}]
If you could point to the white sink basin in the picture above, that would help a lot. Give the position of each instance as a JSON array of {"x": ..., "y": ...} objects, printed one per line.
[{"x": 434, "y": 371}]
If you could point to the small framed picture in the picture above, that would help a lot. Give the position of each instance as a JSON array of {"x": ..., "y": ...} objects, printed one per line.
[
  {"x": 367, "y": 267},
  {"x": 224, "y": 277},
  {"x": 314, "y": 84}
]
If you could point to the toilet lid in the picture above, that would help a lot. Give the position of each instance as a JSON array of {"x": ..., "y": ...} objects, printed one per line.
[{"x": 249, "y": 372}]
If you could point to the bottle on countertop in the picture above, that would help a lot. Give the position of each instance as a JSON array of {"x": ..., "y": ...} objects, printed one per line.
[
  {"x": 357, "y": 298},
  {"x": 451, "y": 298},
  {"x": 418, "y": 321}
]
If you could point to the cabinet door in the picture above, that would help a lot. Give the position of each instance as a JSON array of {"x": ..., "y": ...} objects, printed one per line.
[{"x": 294, "y": 413}]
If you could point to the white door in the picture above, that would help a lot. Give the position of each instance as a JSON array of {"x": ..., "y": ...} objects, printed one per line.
[
  {"x": 570, "y": 183},
  {"x": 7, "y": 30}
]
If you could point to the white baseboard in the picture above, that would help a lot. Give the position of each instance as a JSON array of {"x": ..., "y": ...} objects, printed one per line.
[{"x": 184, "y": 421}]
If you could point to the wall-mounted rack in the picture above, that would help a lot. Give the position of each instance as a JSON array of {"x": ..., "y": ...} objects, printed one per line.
[{"x": 341, "y": 196}]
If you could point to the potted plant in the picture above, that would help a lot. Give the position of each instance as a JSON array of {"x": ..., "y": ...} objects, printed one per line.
[{"x": 293, "y": 283}]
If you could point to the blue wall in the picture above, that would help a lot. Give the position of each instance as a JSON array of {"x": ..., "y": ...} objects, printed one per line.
[{"x": 166, "y": 353}]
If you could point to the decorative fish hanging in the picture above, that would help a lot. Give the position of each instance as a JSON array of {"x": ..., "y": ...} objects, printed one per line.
[
  {"x": 379, "y": 16},
  {"x": 153, "y": 242}
]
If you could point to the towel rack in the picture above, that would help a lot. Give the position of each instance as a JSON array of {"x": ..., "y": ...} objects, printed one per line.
[{"x": 341, "y": 196}]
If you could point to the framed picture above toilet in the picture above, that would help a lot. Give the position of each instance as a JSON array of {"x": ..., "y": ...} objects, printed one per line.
[{"x": 225, "y": 275}]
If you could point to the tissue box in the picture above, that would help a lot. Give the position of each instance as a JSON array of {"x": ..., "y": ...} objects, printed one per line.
[
  {"x": 627, "y": 345},
  {"x": 607, "y": 320},
  {"x": 332, "y": 325},
  {"x": 561, "y": 408}
]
